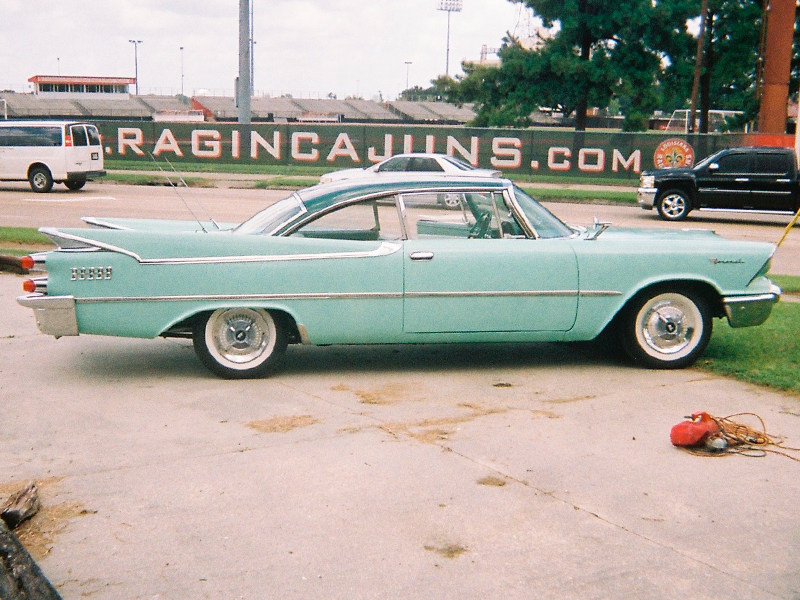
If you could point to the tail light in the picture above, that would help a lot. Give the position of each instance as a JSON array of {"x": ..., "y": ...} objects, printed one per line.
[
  {"x": 37, "y": 285},
  {"x": 68, "y": 140},
  {"x": 27, "y": 262},
  {"x": 29, "y": 286}
]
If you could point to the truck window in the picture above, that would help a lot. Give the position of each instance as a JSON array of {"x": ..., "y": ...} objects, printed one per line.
[
  {"x": 772, "y": 164},
  {"x": 734, "y": 163}
]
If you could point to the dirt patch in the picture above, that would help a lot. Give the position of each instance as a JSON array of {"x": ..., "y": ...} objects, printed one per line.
[
  {"x": 570, "y": 400},
  {"x": 492, "y": 480},
  {"x": 38, "y": 534},
  {"x": 448, "y": 551},
  {"x": 430, "y": 431},
  {"x": 282, "y": 424},
  {"x": 545, "y": 413},
  {"x": 386, "y": 395}
]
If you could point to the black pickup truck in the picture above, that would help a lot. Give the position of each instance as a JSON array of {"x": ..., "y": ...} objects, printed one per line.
[{"x": 748, "y": 178}]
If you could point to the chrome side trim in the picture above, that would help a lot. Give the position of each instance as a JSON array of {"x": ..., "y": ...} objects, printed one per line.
[
  {"x": 345, "y": 296},
  {"x": 104, "y": 224},
  {"x": 245, "y": 297},
  {"x": 385, "y": 249}
]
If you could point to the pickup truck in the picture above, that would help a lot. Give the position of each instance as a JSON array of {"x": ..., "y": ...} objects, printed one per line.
[{"x": 748, "y": 178}]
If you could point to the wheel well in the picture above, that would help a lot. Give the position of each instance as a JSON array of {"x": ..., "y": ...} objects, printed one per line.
[
  {"x": 701, "y": 288},
  {"x": 38, "y": 165},
  {"x": 676, "y": 188},
  {"x": 184, "y": 328}
]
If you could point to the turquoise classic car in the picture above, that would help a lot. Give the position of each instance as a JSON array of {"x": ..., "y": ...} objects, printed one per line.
[{"x": 366, "y": 262}]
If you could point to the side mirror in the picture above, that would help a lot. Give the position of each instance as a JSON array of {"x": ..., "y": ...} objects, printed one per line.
[{"x": 713, "y": 167}]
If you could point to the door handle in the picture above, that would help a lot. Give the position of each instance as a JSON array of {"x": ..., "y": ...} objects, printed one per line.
[
  {"x": 421, "y": 256},
  {"x": 742, "y": 179}
]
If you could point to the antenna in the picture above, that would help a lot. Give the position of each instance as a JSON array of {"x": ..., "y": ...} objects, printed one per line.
[{"x": 175, "y": 188}]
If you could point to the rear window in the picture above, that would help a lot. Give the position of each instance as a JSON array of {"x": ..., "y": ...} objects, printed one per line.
[
  {"x": 30, "y": 136},
  {"x": 772, "y": 163},
  {"x": 94, "y": 135},
  {"x": 78, "y": 133}
]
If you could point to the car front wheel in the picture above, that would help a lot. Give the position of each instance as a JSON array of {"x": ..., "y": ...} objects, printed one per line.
[
  {"x": 240, "y": 343},
  {"x": 666, "y": 329},
  {"x": 673, "y": 205}
]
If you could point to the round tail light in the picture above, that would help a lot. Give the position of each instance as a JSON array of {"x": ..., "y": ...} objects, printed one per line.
[{"x": 29, "y": 286}]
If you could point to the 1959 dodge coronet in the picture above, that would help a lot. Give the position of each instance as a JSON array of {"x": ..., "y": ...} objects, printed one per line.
[{"x": 374, "y": 262}]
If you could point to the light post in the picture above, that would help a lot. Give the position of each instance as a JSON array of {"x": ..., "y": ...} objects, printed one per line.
[
  {"x": 408, "y": 64},
  {"x": 181, "y": 70},
  {"x": 136, "y": 62},
  {"x": 449, "y": 6}
]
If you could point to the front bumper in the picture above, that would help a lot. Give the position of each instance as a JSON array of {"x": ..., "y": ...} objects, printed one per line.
[
  {"x": 748, "y": 311},
  {"x": 55, "y": 315},
  {"x": 646, "y": 197}
]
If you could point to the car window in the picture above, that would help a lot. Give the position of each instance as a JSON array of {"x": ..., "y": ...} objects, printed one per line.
[
  {"x": 94, "y": 135},
  {"x": 544, "y": 223},
  {"x": 425, "y": 163},
  {"x": 399, "y": 163},
  {"x": 271, "y": 218},
  {"x": 734, "y": 163},
  {"x": 459, "y": 215},
  {"x": 370, "y": 220},
  {"x": 78, "y": 133},
  {"x": 772, "y": 163}
]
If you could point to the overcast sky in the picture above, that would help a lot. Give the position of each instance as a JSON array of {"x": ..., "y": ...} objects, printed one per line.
[{"x": 308, "y": 48}]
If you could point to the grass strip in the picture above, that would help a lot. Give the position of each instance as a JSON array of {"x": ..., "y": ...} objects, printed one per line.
[{"x": 767, "y": 355}]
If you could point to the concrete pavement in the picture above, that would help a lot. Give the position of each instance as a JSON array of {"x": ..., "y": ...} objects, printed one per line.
[{"x": 518, "y": 471}]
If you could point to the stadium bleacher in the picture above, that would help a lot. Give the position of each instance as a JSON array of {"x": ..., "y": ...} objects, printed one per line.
[{"x": 223, "y": 108}]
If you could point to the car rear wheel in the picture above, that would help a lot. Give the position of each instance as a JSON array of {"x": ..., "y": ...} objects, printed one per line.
[
  {"x": 673, "y": 205},
  {"x": 40, "y": 179},
  {"x": 75, "y": 184},
  {"x": 666, "y": 329},
  {"x": 240, "y": 343}
]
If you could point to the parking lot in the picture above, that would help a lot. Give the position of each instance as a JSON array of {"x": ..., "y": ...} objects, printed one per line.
[{"x": 514, "y": 471}]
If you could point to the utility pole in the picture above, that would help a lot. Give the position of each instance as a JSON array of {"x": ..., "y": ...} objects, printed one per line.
[
  {"x": 243, "y": 81},
  {"x": 775, "y": 93}
]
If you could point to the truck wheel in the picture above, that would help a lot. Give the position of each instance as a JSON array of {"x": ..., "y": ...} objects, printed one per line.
[
  {"x": 40, "y": 179},
  {"x": 673, "y": 205}
]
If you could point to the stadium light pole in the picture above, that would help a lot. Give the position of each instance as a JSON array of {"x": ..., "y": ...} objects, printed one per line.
[
  {"x": 136, "y": 62},
  {"x": 181, "y": 70},
  {"x": 243, "y": 82},
  {"x": 449, "y": 6},
  {"x": 408, "y": 64}
]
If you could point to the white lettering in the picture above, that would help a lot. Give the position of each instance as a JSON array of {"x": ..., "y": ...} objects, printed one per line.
[
  {"x": 302, "y": 136},
  {"x": 564, "y": 165},
  {"x": 206, "y": 144},
  {"x": 130, "y": 137},
  {"x": 591, "y": 167},
  {"x": 504, "y": 157},
  {"x": 343, "y": 147},
  {"x": 274, "y": 149},
  {"x": 373, "y": 156},
  {"x": 236, "y": 143},
  {"x": 167, "y": 143},
  {"x": 470, "y": 156},
  {"x": 634, "y": 159}
]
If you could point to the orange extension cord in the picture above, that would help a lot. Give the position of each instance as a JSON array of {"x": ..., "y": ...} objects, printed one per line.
[{"x": 745, "y": 440}]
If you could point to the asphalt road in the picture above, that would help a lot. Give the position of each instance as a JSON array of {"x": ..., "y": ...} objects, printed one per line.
[
  {"x": 20, "y": 207},
  {"x": 516, "y": 471}
]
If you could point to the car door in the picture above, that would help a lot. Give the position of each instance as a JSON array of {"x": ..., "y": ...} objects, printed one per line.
[
  {"x": 725, "y": 182},
  {"x": 79, "y": 155},
  {"x": 465, "y": 276},
  {"x": 771, "y": 181}
]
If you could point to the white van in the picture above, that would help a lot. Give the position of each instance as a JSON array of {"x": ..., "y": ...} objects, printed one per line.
[{"x": 47, "y": 152}]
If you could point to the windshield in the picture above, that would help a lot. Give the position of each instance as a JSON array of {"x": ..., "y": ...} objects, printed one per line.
[
  {"x": 271, "y": 218},
  {"x": 545, "y": 223}
]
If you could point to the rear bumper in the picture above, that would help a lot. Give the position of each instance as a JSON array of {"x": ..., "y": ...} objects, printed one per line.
[
  {"x": 88, "y": 174},
  {"x": 748, "y": 311},
  {"x": 646, "y": 197},
  {"x": 55, "y": 315}
]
